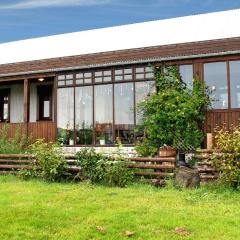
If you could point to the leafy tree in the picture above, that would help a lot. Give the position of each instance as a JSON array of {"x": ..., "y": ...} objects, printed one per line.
[{"x": 173, "y": 114}]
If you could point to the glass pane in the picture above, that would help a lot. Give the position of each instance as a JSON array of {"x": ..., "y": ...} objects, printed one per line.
[
  {"x": 98, "y": 79},
  {"x": 149, "y": 69},
  {"x": 186, "y": 72},
  {"x": 128, "y": 71},
  {"x": 69, "y": 82},
  {"x": 84, "y": 114},
  {"x": 235, "y": 83},
  {"x": 79, "y": 75},
  {"x": 124, "y": 112},
  {"x": 69, "y": 76},
  {"x": 61, "y": 77},
  {"x": 87, "y": 80},
  {"x": 98, "y": 74},
  {"x": 88, "y": 75},
  {"x": 61, "y": 83},
  {"x": 149, "y": 75},
  {"x": 103, "y": 110},
  {"x": 142, "y": 90},
  {"x": 118, "y": 72},
  {"x": 128, "y": 77},
  {"x": 79, "y": 81},
  {"x": 119, "y": 78},
  {"x": 140, "y": 70},
  {"x": 107, "y": 73},
  {"x": 140, "y": 76},
  {"x": 107, "y": 79},
  {"x": 5, "y": 111},
  {"x": 46, "y": 109},
  {"x": 215, "y": 76},
  {"x": 65, "y": 111}
]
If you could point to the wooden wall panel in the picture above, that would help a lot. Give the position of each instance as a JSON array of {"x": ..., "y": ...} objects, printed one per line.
[
  {"x": 13, "y": 128},
  {"x": 38, "y": 130},
  {"x": 45, "y": 130},
  {"x": 220, "y": 118}
]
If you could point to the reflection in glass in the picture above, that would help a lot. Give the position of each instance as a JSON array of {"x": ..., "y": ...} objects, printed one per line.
[
  {"x": 235, "y": 83},
  {"x": 84, "y": 115},
  {"x": 103, "y": 112},
  {"x": 46, "y": 109},
  {"x": 65, "y": 111},
  {"x": 124, "y": 112},
  {"x": 186, "y": 72},
  {"x": 142, "y": 89},
  {"x": 215, "y": 76}
]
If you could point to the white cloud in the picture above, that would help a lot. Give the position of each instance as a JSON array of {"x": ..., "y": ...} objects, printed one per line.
[{"x": 30, "y": 4}]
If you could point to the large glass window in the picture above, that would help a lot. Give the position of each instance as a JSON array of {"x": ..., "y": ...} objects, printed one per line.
[
  {"x": 186, "y": 72},
  {"x": 100, "y": 108},
  {"x": 65, "y": 118},
  {"x": 124, "y": 112},
  {"x": 103, "y": 112},
  {"x": 84, "y": 115},
  {"x": 215, "y": 76},
  {"x": 235, "y": 83}
]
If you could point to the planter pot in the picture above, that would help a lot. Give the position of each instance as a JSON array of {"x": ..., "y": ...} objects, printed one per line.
[
  {"x": 181, "y": 160},
  {"x": 71, "y": 142},
  {"x": 167, "y": 151},
  {"x": 102, "y": 142}
]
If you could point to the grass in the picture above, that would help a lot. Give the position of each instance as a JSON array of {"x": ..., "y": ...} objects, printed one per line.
[{"x": 39, "y": 210}]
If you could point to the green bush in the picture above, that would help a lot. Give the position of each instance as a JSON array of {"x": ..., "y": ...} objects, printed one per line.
[
  {"x": 14, "y": 145},
  {"x": 101, "y": 169},
  {"x": 173, "y": 114},
  {"x": 227, "y": 157},
  {"x": 50, "y": 163}
]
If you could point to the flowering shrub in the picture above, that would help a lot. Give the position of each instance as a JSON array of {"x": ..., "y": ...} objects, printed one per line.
[{"x": 227, "y": 159}]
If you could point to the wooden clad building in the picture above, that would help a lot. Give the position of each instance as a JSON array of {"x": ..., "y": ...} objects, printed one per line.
[{"x": 83, "y": 87}]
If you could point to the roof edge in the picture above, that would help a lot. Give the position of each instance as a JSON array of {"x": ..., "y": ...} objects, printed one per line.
[{"x": 109, "y": 64}]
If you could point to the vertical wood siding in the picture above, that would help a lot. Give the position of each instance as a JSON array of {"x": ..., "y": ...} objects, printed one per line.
[{"x": 39, "y": 130}]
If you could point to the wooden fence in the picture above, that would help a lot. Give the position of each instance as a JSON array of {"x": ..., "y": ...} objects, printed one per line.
[{"x": 153, "y": 170}]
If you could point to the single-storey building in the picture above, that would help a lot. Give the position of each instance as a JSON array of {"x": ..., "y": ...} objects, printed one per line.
[{"x": 82, "y": 88}]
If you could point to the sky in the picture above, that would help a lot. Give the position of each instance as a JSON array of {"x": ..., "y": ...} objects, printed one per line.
[{"x": 23, "y": 19}]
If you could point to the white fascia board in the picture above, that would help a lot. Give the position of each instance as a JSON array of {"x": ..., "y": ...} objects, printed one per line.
[{"x": 203, "y": 27}]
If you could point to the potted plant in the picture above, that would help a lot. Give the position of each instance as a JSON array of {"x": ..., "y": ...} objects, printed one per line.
[
  {"x": 167, "y": 151},
  {"x": 102, "y": 140}
]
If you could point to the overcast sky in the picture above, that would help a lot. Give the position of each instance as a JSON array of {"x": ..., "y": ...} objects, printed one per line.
[{"x": 21, "y": 19}]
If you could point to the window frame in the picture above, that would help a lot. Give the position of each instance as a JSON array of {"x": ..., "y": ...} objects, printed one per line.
[
  {"x": 40, "y": 102},
  {"x": 112, "y": 82}
]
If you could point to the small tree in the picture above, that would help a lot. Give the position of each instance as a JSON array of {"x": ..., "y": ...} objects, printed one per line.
[{"x": 173, "y": 114}]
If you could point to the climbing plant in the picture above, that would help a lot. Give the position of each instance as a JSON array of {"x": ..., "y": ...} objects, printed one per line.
[{"x": 173, "y": 114}]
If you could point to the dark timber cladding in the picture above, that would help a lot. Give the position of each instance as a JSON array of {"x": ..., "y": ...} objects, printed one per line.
[{"x": 195, "y": 53}]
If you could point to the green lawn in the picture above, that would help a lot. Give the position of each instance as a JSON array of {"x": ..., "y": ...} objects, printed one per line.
[{"x": 38, "y": 210}]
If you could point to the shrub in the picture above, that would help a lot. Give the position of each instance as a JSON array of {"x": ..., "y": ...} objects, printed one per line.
[
  {"x": 14, "y": 145},
  {"x": 173, "y": 114},
  {"x": 104, "y": 170},
  {"x": 227, "y": 157},
  {"x": 50, "y": 162}
]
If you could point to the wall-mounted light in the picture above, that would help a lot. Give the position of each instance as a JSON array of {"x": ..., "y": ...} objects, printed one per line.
[{"x": 41, "y": 79}]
